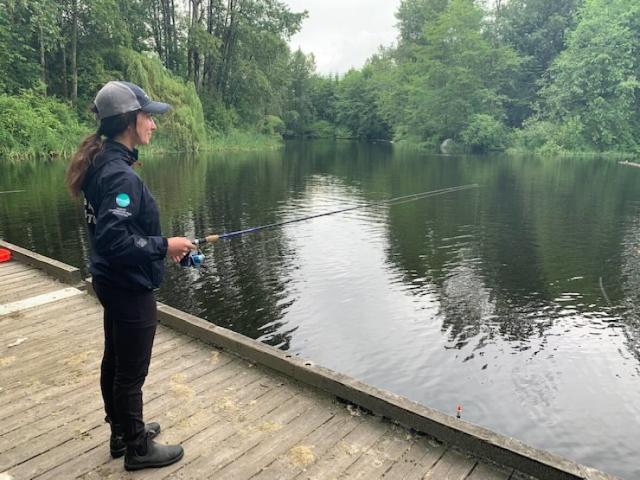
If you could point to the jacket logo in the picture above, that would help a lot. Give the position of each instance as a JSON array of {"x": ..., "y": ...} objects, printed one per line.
[
  {"x": 123, "y": 200},
  {"x": 89, "y": 213}
]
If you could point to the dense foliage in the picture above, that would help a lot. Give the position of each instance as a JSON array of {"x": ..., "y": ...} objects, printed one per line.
[
  {"x": 534, "y": 75},
  {"x": 526, "y": 75},
  {"x": 224, "y": 65}
]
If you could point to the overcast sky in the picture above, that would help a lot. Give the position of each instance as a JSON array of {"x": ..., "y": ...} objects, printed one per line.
[{"x": 344, "y": 33}]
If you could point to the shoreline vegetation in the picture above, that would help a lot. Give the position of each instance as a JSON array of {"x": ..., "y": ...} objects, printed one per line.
[{"x": 524, "y": 77}]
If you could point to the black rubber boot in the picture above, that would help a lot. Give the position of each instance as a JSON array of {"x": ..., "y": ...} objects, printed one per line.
[
  {"x": 116, "y": 443},
  {"x": 150, "y": 454}
]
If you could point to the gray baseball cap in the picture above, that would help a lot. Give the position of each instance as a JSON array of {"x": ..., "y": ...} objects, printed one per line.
[{"x": 119, "y": 97}]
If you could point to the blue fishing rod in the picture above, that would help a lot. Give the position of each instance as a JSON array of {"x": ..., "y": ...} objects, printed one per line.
[{"x": 196, "y": 258}]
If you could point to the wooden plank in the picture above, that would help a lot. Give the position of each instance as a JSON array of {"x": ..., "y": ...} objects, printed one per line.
[
  {"x": 452, "y": 465},
  {"x": 20, "y": 278},
  {"x": 31, "y": 346},
  {"x": 215, "y": 404},
  {"x": 39, "y": 289},
  {"x": 72, "y": 413},
  {"x": 162, "y": 408},
  {"x": 20, "y": 292},
  {"x": 59, "y": 322},
  {"x": 45, "y": 368},
  {"x": 29, "y": 378},
  {"x": 13, "y": 266},
  {"x": 39, "y": 405},
  {"x": 311, "y": 448},
  {"x": 418, "y": 460},
  {"x": 38, "y": 359},
  {"x": 484, "y": 471},
  {"x": 59, "y": 270},
  {"x": 20, "y": 319},
  {"x": 26, "y": 282},
  {"x": 38, "y": 300},
  {"x": 65, "y": 385},
  {"x": 259, "y": 448},
  {"x": 41, "y": 339},
  {"x": 382, "y": 455},
  {"x": 347, "y": 451},
  {"x": 232, "y": 438},
  {"x": 90, "y": 431}
]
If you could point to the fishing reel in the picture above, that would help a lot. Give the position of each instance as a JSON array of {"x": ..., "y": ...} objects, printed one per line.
[{"x": 193, "y": 260}]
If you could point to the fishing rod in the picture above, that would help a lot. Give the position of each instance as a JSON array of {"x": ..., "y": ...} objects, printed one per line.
[{"x": 196, "y": 258}]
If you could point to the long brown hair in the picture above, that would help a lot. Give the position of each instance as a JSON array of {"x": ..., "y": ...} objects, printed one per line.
[{"x": 92, "y": 145}]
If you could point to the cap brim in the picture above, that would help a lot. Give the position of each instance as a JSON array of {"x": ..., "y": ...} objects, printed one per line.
[{"x": 156, "y": 108}]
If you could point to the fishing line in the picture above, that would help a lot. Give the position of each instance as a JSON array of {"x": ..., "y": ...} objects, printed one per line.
[
  {"x": 414, "y": 196},
  {"x": 195, "y": 259}
]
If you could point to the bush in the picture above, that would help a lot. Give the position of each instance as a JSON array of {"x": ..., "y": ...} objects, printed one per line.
[
  {"x": 272, "y": 125},
  {"x": 344, "y": 133},
  {"x": 484, "y": 133},
  {"x": 549, "y": 138},
  {"x": 322, "y": 129},
  {"x": 33, "y": 125},
  {"x": 219, "y": 117}
]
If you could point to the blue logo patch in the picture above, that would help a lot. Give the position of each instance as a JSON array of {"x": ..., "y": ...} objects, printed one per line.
[{"x": 123, "y": 200}]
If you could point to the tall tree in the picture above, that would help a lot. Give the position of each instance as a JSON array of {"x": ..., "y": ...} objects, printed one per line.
[
  {"x": 537, "y": 31},
  {"x": 357, "y": 106},
  {"x": 594, "y": 84},
  {"x": 74, "y": 51},
  {"x": 299, "y": 112},
  {"x": 457, "y": 72},
  {"x": 414, "y": 15}
]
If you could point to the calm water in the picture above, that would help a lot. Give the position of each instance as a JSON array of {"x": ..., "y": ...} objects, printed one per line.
[{"x": 488, "y": 298}]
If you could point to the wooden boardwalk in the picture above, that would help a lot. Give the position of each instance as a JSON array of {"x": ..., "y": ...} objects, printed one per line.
[{"x": 236, "y": 419}]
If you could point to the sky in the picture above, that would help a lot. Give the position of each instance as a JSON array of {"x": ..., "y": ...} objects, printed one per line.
[{"x": 344, "y": 33}]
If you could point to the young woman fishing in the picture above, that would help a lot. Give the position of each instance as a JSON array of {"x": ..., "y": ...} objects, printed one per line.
[{"x": 126, "y": 263}]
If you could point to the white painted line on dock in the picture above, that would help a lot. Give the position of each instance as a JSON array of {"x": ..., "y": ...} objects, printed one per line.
[{"x": 38, "y": 300}]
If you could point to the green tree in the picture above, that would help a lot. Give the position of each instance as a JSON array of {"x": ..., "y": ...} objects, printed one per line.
[
  {"x": 593, "y": 84},
  {"x": 537, "y": 31},
  {"x": 19, "y": 40},
  {"x": 456, "y": 74},
  {"x": 356, "y": 105},
  {"x": 322, "y": 91},
  {"x": 412, "y": 17},
  {"x": 299, "y": 113}
]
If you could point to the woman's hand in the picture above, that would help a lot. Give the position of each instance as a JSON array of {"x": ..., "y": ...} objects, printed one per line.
[{"x": 178, "y": 247}]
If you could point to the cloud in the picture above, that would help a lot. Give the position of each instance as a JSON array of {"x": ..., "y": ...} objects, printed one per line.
[{"x": 344, "y": 33}]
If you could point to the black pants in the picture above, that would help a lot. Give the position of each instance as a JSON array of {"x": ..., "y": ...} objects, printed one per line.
[{"x": 130, "y": 321}]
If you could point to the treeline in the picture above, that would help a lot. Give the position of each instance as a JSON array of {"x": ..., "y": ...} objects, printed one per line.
[
  {"x": 223, "y": 64},
  {"x": 531, "y": 75},
  {"x": 542, "y": 76}
]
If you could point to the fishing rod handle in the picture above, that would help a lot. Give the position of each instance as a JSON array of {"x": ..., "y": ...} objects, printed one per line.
[{"x": 207, "y": 239}]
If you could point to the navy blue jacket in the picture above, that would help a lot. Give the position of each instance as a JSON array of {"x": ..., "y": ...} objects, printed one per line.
[{"x": 127, "y": 248}]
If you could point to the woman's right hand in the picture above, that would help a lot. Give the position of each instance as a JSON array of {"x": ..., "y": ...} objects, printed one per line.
[{"x": 178, "y": 247}]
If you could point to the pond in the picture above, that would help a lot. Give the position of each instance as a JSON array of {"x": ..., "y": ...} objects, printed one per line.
[{"x": 518, "y": 300}]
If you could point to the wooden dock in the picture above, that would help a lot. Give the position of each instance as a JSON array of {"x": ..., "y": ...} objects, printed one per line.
[{"x": 241, "y": 409}]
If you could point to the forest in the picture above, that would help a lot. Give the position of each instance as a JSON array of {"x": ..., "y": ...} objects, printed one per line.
[{"x": 534, "y": 76}]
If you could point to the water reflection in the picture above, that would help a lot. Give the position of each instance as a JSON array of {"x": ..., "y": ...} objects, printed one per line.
[{"x": 490, "y": 297}]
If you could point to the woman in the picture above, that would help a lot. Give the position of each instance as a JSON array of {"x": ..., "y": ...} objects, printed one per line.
[{"x": 126, "y": 263}]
